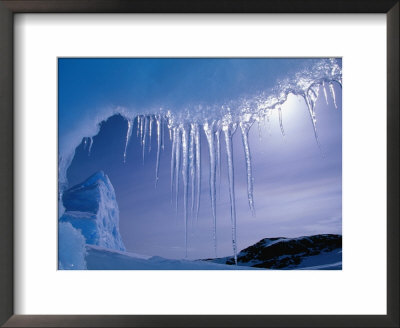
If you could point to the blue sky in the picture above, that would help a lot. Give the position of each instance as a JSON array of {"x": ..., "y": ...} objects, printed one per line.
[{"x": 297, "y": 185}]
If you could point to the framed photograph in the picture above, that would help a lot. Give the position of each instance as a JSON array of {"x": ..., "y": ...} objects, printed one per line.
[
  {"x": 181, "y": 147},
  {"x": 197, "y": 164}
]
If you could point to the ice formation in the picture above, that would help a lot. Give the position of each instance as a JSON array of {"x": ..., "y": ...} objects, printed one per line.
[
  {"x": 185, "y": 126},
  {"x": 91, "y": 207}
]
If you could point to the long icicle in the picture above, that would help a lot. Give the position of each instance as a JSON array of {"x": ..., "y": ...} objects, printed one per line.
[
  {"x": 138, "y": 126},
  {"x": 173, "y": 159},
  {"x": 158, "y": 126},
  {"x": 146, "y": 126},
  {"x": 228, "y": 132},
  {"x": 208, "y": 129},
  {"x": 198, "y": 169},
  {"x": 128, "y": 137},
  {"x": 312, "y": 116},
  {"x": 177, "y": 165},
  {"x": 332, "y": 90},
  {"x": 185, "y": 182},
  {"x": 218, "y": 151},
  {"x": 141, "y": 128},
  {"x": 150, "y": 130},
  {"x": 192, "y": 167},
  {"x": 162, "y": 132},
  {"x": 245, "y": 127},
  {"x": 325, "y": 93},
  {"x": 313, "y": 92}
]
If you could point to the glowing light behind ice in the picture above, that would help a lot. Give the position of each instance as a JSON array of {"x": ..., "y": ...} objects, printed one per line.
[{"x": 184, "y": 128}]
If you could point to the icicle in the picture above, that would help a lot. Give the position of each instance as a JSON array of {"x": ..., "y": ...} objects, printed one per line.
[
  {"x": 146, "y": 126},
  {"x": 208, "y": 130},
  {"x": 90, "y": 146},
  {"x": 245, "y": 127},
  {"x": 332, "y": 90},
  {"x": 185, "y": 182},
  {"x": 173, "y": 159},
  {"x": 128, "y": 137},
  {"x": 138, "y": 126},
  {"x": 312, "y": 116},
  {"x": 229, "y": 130},
  {"x": 150, "y": 130},
  {"x": 191, "y": 164},
  {"x": 177, "y": 165},
  {"x": 325, "y": 93},
  {"x": 313, "y": 92},
  {"x": 280, "y": 121},
  {"x": 158, "y": 126},
  {"x": 218, "y": 151},
  {"x": 141, "y": 128},
  {"x": 197, "y": 141},
  {"x": 162, "y": 132}
]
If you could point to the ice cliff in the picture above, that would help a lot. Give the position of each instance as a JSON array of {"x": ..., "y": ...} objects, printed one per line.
[{"x": 91, "y": 207}]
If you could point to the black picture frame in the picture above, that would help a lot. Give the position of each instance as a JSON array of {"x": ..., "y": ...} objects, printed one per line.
[{"x": 10, "y": 7}]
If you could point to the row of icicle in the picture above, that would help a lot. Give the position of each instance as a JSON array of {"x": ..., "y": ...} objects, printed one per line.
[{"x": 186, "y": 152}]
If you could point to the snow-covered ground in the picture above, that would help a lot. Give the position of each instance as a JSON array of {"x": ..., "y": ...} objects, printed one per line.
[
  {"x": 324, "y": 261},
  {"x": 99, "y": 258},
  {"x": 317, "y": 252}
]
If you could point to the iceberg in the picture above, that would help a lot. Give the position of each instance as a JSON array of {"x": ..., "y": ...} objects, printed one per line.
[{"x": 92, "y": 208}]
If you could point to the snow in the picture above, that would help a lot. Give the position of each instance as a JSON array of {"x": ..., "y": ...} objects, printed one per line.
[
  {"x": 324, "y": 261},
  {"x": 92, "y": 208}
]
